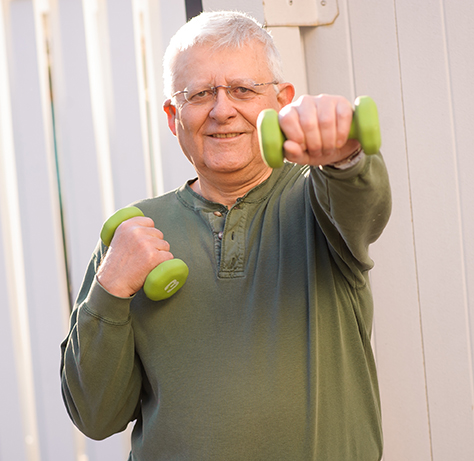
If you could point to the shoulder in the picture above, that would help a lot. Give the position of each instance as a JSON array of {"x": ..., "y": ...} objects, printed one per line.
[{"x": 159, "y": 204}]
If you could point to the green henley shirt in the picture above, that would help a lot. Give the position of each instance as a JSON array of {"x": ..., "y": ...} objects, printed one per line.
[{"x": 264, "y": 354}]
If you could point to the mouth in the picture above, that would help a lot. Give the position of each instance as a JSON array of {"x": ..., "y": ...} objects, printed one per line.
[{"x": 225, "y": 135}]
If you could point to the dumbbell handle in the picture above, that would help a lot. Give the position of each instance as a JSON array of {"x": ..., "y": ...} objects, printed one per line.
[
  {"x": 166, "y": 278},
  {"x": 365, "y": 128}
]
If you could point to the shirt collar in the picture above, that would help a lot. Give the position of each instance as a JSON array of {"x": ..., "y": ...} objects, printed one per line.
[{"x": 255, "y": 195}]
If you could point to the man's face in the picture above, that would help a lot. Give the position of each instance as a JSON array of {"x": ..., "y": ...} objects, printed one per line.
[{"x": 221, "y": 136}]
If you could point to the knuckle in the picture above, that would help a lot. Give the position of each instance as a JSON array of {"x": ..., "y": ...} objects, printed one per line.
[
  {"x": 309, "y": 124},
  {"x": 314, "y": 146},
  {"x": 326, "y": 120},
  {"x": 345, "y": 113},
  {"x": 165, "y": 246}
]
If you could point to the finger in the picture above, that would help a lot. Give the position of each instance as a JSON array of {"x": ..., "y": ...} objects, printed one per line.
[
  {"x": 334, "y": 119},
  {"x": 289, "y": 123},
  {"x": 344, "y": 114},
  {"x": 150, "y": 237},
  {"x": 327, "y": 123},
  {"x": 163, "y": 256},
  {"x": 141, "y": 221},
  {"x": 134, "y": 223},
  {"x": 161, "y": 245},
  {"x": 309, "y": 124},
  {"x": 295, "y": 152},
  {"x": 139, "y": 231},
  {"x": 294, "y": 127}
]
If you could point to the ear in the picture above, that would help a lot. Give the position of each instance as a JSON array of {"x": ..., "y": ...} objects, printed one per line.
[
  {"x": 171, "y": 115},
  {"x": 286, "y": 94}
]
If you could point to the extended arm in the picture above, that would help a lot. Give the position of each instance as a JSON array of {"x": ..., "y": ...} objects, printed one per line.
[{"x": 353, "y": 207}]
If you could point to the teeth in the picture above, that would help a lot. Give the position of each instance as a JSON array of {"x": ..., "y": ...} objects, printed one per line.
[{"x": 225, "y": 135}]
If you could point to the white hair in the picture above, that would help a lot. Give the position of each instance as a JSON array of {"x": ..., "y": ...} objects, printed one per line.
[{"x": 222, "y": 29}]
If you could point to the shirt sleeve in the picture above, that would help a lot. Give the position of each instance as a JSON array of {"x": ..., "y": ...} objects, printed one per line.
[
  {"x": 352, "y": 207},
  {"x": 100, "y": 373}
]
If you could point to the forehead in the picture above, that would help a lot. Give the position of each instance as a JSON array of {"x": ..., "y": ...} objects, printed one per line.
[{"x": 202, "y": 64}]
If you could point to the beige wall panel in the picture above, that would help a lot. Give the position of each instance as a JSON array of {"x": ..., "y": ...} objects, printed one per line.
[
  {"x": 290, "y": 44},
  {"x": 459, "y": 40},
  {"x": 427, "y": 76},
  {"x": 37, "y": 293}
]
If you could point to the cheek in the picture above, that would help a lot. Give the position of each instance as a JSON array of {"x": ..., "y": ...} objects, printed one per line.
[
  {"x": 265, "y": 103},
  {"x": 184, "y": 127},
  {"x": 188, "y": 137},
  {"x": 190, "y": 123},
  {"x": 187, "y": 131}
]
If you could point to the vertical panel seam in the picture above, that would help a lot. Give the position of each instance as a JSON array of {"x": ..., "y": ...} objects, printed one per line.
[
  {"x": 452, "y": 119},
  {"x": 94, "y": 51},
  {"x": 148, "y": 83},
  {"x": 16, "y": 298},
  {"x": 350, "y": 52},
  {"x": 413, "y": 231}
]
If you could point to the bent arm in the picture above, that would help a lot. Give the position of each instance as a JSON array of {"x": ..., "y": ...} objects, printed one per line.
[{"x": 100, "y": 373}]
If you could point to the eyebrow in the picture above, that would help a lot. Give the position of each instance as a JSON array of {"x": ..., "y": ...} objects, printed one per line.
[{"x": 228, "y": 82}]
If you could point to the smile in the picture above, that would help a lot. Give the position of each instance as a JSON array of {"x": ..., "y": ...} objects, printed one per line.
[{"x": 225, "y": 135}]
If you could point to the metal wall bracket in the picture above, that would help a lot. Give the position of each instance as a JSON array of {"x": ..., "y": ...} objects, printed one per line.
[{"x": 300, "y": 12}]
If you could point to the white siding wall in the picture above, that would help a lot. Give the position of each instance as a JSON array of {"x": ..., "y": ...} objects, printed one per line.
[{"x": 112, "y": 147}]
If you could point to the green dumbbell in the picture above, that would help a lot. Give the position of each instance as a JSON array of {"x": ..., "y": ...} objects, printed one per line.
[
  {"x": 166, "y": 278},
  {"x": 365, "y": 128}
]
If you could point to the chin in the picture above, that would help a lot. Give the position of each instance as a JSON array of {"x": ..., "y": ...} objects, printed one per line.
[{"x": 227, "y": 163}]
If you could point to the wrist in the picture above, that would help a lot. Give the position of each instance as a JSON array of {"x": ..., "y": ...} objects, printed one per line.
[
  {"x": 112, "y": 286},
  {"x": 349, "y": 161}
]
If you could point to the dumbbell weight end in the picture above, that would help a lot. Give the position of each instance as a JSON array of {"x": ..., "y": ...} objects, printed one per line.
[
  {"x": 365, "y": 126},
  {"x": 270, "y": 138},
  {"x": 166, "y": 279},
  {"x": 110, "y": 226}
]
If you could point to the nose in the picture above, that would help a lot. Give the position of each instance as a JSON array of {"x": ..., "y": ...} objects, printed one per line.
[{"x": 223, "y": 107}]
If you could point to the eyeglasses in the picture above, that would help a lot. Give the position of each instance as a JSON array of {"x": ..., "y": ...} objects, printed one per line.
[{"x": 239, "y": 90}]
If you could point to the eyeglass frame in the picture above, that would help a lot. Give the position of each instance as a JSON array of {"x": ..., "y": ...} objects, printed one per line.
[{"x": 226, "y": 87}]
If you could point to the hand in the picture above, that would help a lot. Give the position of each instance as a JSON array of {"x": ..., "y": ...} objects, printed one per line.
[
  {"x": 317, "y": 129},
  {"x": 136, "y": 249}
]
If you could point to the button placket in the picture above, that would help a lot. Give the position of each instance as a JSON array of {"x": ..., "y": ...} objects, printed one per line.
[
  {"x": 216, "y": 220},
  {"x": 233, "y": 244}
]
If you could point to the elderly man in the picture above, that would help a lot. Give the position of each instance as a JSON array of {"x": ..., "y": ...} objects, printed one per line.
[{"x": 265, "y": 352}]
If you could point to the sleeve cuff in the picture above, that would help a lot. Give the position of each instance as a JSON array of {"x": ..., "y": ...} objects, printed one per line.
[
  {"x": 350, "y": 161},
  {"x": 107, "y": 307},
  {"x": 352, "y": 171}
]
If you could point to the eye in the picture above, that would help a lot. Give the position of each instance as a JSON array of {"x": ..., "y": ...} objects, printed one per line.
[
  {"x": 242, "y": 92},
  {"x": 199, "y": 96}
]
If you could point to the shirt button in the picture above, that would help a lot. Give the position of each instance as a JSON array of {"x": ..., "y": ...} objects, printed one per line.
[
  {"x": 218, "y": 214},
  {"x": 220, "y": 234}
]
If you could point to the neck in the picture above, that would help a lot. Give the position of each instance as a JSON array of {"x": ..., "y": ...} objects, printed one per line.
[{"x": 227, "y": 189}]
